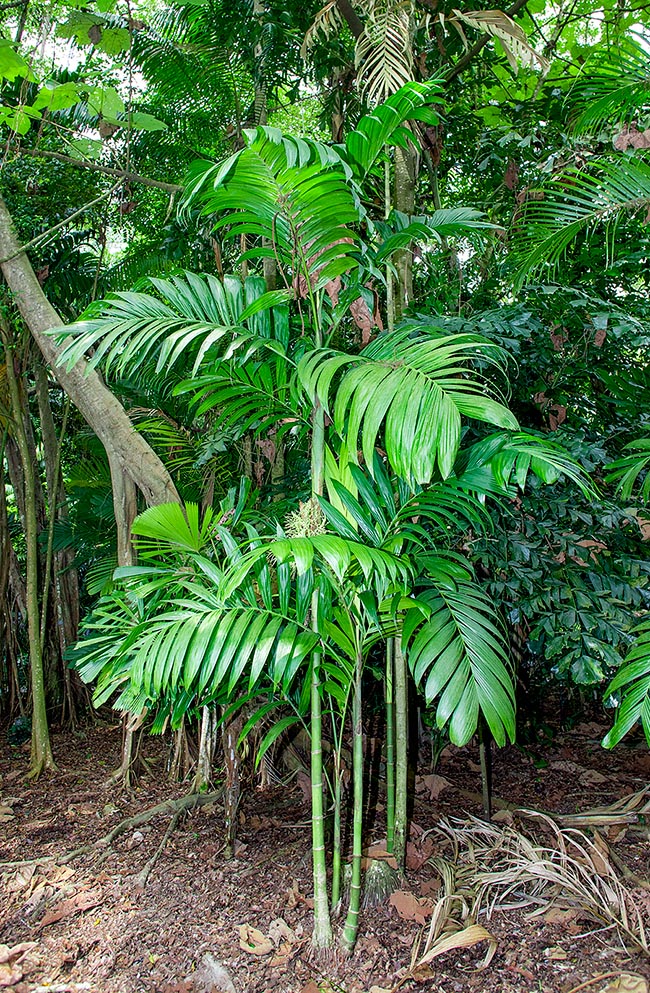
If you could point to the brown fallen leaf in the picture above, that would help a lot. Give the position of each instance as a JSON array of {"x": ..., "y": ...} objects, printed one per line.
[
  {"x": 279, "y": 932},
  {"x": 83, "y": 900},
  {"x": 435, "y": 785},
  {"x": 10, "y": 953},
  {"x": 503, "y": 817},
  {"x": 379, "y": 853},
  {"x": 410, "y": 907},
  {"x": 11, "y": 956},
  {"x": 591, "y": 776},
  {"x": 253, "y": 941},
  {"x": 295, "y": 896},
  {"x": 556, "y": 915}
]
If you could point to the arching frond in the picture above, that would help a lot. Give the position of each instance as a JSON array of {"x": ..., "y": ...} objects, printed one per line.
[
  {"x": 457, "y": 651},
  {"x": 510, "y": 458},
  {"x": 413, "y": 385},
  {"x": 256, "y": 396},
  {"x": 579, "y": 201},
  {"x": 413, "y": 102},
  {"x": 632, "y": 470},
  {"x": 613, "y": 87},
  {"x": 512, "y": 37},
  {"x": 633, "y": 679},
  {"x": 191, "y": 316},
  {"x": 290, "y": 191},
  {"x": 400, "y": 230}
]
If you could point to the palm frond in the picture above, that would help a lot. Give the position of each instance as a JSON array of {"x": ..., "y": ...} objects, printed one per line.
[
  {"x": 512, "y": 37},
  {"x": 190, "y": 318},
  {"x": 255, "y": 396},
  {"x": 400, "y": 230},
  {"x": 290, "y": 191},
  {"x": 457, "y": 651},
  {"x": 413, "y": 384},
  {"x": 612, "y": 88},
  {"x": 633, "y": 680},
  {"x": 632, "y": 470},
  {"x": 510, "y": 458},
  {"x": 413, "y": 102},
  {"x": 578, "y": 202},
  {"x": 384, "y": 50}
]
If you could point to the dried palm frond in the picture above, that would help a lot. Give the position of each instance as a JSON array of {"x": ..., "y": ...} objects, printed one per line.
[
  {"x": 630, "y": 809},
  {"x": 513, "y": 39},
  {"x": 328, "y": 21},
  {"x": 496, "y": 867},
  {"x": 384, "y": 52}
]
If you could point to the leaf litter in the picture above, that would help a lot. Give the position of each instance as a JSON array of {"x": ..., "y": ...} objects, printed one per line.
[{"x": 87, "y": 921}]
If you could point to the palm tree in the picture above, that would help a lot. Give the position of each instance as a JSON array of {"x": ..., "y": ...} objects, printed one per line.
[{"x": 278, "y": 607}]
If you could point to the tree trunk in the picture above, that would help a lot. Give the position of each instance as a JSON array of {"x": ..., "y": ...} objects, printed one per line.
[
  {"x": 103, "y": 412},
  {"x": 404, "y": 201},
  {"x": 42, "y": 759}
]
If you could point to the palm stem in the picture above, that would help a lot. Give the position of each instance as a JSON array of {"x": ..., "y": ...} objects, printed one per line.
[
  {"x": 336, "y": 834},
  {"x": 350, "y": 930},
  {"x": 322, "y": 933},
  {"x": 390, "y": 749},
  {"x": 401, "y": 752}
]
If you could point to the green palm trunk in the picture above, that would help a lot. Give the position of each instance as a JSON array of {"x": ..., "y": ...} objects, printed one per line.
[
  {"x": 401, "y": 753},
  {"x": 351, "y": 928},
  {"x": 390, "y": 749},
  {"x": 322, "y": 933}
]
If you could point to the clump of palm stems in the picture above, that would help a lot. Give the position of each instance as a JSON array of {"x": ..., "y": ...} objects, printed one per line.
[{"x": 495, "y": 867}]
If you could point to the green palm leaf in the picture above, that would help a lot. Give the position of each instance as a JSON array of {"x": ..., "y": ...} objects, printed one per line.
[
  {"x": 383, "y": 126},
  {"x": 633, "y": 679},
  {"x": 458, "y": 654},
  {"x": 257, "y": 395},
  {"x": 191, "y": 316},
  {"x": 388, "y": 519},
  {"x": 417, "y": 387},
  {"x": 613, "y": 86},
  {"x": 293, "y": 192},
  {"x": 400, "y": 230},
  {"x": 629, "y": 470},
  {"x": 578, "y": 202},
  {"x": 500, "y": 462}
]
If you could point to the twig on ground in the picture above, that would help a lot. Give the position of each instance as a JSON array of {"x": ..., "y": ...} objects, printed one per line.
[
  {"x": 594, "y": 979},
  {"x": 143, "y": 876},
  {"x": 173, "y": 807}
]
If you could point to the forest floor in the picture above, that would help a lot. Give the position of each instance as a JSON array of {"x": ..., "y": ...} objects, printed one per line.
[{"x": 89, "y": 924}]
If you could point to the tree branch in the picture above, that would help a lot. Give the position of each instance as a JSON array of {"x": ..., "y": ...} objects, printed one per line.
[
  {"x": 462, "y": 64},
  {"x": 351, "y": 17},
  {"x": 46, "y": 235},
  {"x": 132, "y": 177}
]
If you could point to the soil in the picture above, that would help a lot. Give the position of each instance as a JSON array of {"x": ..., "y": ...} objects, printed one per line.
[{"x": 188, "y": 930}]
